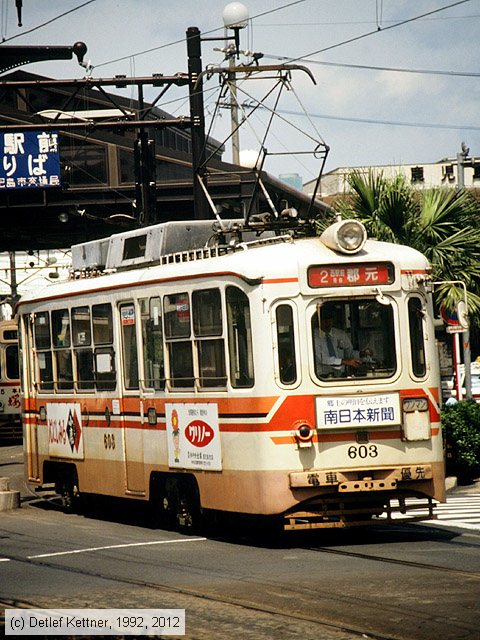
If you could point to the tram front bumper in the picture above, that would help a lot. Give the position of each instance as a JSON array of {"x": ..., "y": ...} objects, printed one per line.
[{"x": 360, "y": 480}]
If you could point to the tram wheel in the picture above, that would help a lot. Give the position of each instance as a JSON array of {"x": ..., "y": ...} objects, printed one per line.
[
  {"x": 67, "y": 488},
  {"x": 176, "y": 503}
]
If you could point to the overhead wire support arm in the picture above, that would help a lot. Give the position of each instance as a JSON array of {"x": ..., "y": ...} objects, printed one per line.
[
  {"x": 156, "y": 80},
  {"x": 95, "y": 124},
  {"x": 256, "y": 70}
]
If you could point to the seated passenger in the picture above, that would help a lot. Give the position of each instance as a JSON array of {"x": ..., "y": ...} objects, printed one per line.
[{"x": 333, "y": 347}]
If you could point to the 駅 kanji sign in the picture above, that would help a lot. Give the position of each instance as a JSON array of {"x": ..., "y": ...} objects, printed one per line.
[{"x": 30, "y": 159}]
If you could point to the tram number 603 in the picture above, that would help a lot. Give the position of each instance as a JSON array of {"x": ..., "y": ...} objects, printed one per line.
[
  {"x": 362, "y": 451},
  {"x": 109, "y": 441}
]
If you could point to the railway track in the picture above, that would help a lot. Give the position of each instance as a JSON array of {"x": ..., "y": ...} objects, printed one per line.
[{"x": 276, "y": 609}]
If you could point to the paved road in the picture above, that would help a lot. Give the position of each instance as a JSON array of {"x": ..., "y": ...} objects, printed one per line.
[
  {"x": 402, "y": 582},
  {"x": 406, "y": 582}
]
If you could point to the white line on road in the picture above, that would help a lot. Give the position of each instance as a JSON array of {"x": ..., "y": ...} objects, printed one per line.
[{"x": 113, "y": 546}]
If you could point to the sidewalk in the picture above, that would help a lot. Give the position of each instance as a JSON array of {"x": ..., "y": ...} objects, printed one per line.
[{"x": 462, "y": 489}]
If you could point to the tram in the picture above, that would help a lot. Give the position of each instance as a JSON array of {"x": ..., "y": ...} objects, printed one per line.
[
  {"x": 10, "y": 401},
  {"x": 184, "y": 366}
]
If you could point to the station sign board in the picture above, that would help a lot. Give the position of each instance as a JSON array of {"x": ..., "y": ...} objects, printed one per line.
[{"x": 30, "y": 159}]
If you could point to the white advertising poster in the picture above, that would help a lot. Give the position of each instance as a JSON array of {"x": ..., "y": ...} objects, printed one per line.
[
  {"x": 65, "y": 433},
  {"x": 358, "y": 411},
  {"x": 193, "y": 436}
]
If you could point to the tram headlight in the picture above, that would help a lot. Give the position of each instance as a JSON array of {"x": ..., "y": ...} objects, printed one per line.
[
  {"x": 347, "y": 236},
  {"x": 303, "y": 433}
]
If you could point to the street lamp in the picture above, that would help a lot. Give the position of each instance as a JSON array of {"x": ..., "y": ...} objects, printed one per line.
[{"x": 235, "y": 17}]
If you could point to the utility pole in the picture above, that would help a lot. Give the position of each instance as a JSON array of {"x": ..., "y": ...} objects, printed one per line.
[
  {"x": 232, "y": 81},
  {"x": 13, "y": 280},
  {"x": 467, "y": 354},
  {"x": 235, "y": 17},
  {"x": 145, "y": 171},
  {"x": 197, "y": 116}
]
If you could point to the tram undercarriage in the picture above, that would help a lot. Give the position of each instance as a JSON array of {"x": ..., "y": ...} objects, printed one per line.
[{"x": 354, "y": 509}]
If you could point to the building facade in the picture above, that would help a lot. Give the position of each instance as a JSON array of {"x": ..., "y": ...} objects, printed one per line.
[
  {"x": 98, "y": 182},
  {"x": 444, "y": 173}
]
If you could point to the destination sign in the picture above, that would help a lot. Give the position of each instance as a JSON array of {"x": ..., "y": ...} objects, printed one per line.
[{"x": 350, "y": 275}]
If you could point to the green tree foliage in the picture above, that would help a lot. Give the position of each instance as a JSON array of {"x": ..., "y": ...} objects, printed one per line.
[
  {"x": 442, "y": 223},
  {"x": 461, "y": 429}
]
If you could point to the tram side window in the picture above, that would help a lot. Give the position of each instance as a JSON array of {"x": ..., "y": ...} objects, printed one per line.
[
  {"x": 207, "y": 326},
  {"x": 286, "y": 344},
  {"x": 176, "y": 308},
  {"x": 239, "y": 338},
  {"x": 61, "y": 349},
  {"x": 104, "y": 354},
  {"x": 417, "y": 340},
  {"x": 129, "y": 339},
  {"x": 82, "y": 348},
  {"x": 152, "y": 338},
  {"x": 43, "y": 354},
  {"x": 11, "y": 361}
]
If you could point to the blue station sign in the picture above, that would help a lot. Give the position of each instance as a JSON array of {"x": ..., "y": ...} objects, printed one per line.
[{"x": 30, "y": 159}]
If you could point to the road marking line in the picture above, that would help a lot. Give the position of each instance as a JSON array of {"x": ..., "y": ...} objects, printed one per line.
[{"x": 113, "y": 546}]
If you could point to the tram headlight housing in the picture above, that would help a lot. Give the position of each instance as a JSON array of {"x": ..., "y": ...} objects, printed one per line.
[
  {"x": 415, "y": 404},
  {"x": 303, "y": 433},
  {"x": 416, "y": 425},
  {"x": 346, "y": 236}
]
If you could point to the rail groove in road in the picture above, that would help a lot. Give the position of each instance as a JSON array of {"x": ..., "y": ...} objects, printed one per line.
[{"x": 280, "y": 614}]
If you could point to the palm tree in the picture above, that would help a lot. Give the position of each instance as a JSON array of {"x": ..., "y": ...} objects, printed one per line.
[{"x": 441, "y": 223}]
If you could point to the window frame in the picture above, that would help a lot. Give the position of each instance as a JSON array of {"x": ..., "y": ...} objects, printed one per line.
[
  {"x": 179, "y": 344},
  {"x": 281, "y": 364},
  {"x": 152, "y": 343},
  {"x": 209, "y": 339},
  {"x": 414, "y": 335},
  {"x": 130, "y": 355},
  {"x": 234, "y": 355},
  {"x": 352, "y": 303}
]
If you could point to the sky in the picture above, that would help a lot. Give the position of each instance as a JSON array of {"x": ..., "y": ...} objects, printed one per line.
[{"x": 367, "y": 115}]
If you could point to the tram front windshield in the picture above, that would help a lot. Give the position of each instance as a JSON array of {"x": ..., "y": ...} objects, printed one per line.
[{"x": 353, "y": 338}]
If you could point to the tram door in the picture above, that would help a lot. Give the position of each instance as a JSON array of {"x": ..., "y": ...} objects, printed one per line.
[
  {"x": 133, "y": 433},
  {"x": 30, "y": 424}
]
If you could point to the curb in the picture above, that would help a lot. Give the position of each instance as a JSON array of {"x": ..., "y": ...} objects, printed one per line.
[
  {"x": 450, "y": 483},
  {"x": 8, "y": 499}
]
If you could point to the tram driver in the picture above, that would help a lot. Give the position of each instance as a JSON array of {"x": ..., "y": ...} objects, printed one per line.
[{"x": 334, "y": 352}]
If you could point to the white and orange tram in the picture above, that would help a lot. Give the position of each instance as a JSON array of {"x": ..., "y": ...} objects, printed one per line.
[
  {"x": 197, "y": 376},
  {"x": 10, "y": 400}
]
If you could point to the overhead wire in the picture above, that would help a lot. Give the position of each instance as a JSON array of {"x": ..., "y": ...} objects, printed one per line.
[
  {"x": 62, "y": 15},
  {"x": 337, "y": 23},
  {"x": 305, "y": 58},
  {"x": 380, "y": 28},
  {"x": 383, "y": 122},
  {"x": 369, "y": 67},
  {"x": 205, "y": 33},
  {"x": 368, "y": 34}
]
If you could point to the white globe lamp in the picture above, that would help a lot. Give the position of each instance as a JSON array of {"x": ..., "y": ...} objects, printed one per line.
[
  {"x": 235, "y": 16},
  {"x": 250, "y": 158}
]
